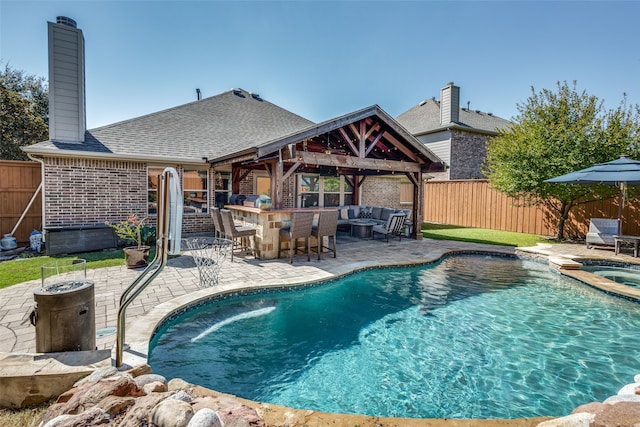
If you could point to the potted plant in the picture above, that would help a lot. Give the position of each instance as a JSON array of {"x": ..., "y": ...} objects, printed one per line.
[{"x": 131, "y": 231}]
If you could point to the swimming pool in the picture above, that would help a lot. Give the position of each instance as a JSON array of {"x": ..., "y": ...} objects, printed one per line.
[
  {"x": 469, "y": 337},
  {"x": 625, "y": 276}
]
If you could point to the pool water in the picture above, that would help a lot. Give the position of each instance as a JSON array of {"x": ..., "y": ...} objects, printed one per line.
[
  {"x": 625, "y": 276},
  {"x": 470, "y": 337}
]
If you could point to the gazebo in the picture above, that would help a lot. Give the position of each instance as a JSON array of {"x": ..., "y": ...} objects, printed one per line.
[{"x": 358, "y": 145}]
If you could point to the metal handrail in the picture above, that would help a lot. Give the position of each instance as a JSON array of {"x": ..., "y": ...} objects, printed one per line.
[{"x": 157, "y": 264}]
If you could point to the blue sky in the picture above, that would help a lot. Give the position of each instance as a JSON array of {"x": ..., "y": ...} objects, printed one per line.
[{"x": 322, "y": 59}]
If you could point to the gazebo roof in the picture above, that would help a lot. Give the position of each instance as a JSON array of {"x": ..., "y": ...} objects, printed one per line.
[{"x": 364, "y": 142}]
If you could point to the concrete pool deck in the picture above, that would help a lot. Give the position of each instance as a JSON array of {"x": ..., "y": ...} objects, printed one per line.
[{"x": 178, "y": 285}]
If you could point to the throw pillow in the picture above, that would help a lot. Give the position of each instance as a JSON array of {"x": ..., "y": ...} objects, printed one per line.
[
  {"x": 352, "y": 214},
  {"x": 365, "y": 213}
]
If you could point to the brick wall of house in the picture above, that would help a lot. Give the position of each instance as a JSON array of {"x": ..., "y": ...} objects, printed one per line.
[
  {"x": 89, "y": 192},
  {"x": 382, "y": 191},
  {"x": 468, "y": 152},
  {"x": 82, "y": 192},
  {"x": 246, "y": 185}
]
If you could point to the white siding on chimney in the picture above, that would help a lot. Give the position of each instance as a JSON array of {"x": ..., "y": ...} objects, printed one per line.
[
  {"x": 67, "y": 120},
  {"x": 449, "y": 104}
]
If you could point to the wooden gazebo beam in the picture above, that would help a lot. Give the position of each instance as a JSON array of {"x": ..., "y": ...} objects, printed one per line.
[{"x": 353, "y": 162}]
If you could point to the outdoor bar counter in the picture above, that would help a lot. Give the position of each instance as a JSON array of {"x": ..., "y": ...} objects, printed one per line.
[{"x": 267, "y": 224}]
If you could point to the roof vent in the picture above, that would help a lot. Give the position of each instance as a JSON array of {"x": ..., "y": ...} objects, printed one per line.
[
  {"x": 422, "y": 103},
  {"x": 63, "y": 20},
  {"x": 490, "y": 114},
  {"x": 237, "y": 92},
  {"x": 255, "y": 96}
]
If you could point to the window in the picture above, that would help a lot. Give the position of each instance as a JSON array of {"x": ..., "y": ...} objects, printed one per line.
[
  {"x": 196, "y": 190},
  {"x": 324, "y": 191},
  {"x": 222, "y": 189},
  {"x": 195, "y": 184},
  {"x": 153, "y": 184}
]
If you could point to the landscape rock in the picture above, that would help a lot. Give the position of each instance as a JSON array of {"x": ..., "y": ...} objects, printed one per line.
[
  {"x": 205, "y": 418},
  {"x": 138, "y": 414},
  {"x": 620, "y": 414},
  {"x": 172, "y": 413},
  {"x": 591, "y": 408},
  {"x": 136, "y": 371},
  {"x": 116, "y": 405},
  {"x": 154, "y": 387},
  {"x": 57, "y": 421},
  {"x": 182, "y": 395},
  {"x": 90, "y": 417},
  {"x": 179, "y": 384},
  {"x": 241, "y": 416},
  {"x": 98, "y": 374},
  {"x": 145, "y": 379},
  {"x": 622, "y": 398},
  {"x": 629, "y": 389}
]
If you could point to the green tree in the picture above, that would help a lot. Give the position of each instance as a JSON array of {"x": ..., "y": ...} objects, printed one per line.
[
  {"x": 556, "y": 133},
  {"x": 24, "y": 106}
]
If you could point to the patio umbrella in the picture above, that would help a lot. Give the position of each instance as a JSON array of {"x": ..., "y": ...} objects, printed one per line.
[{"x": 620, "y": 172}]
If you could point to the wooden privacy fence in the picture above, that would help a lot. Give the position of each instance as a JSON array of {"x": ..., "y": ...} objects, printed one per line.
[
  {"x": 473, "y": 203},
  {"x": 18, "y": 183}
]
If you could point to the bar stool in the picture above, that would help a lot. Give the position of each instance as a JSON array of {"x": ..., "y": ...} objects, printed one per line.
[
  {"x": 218, "y": 228},
  {"x": 327, "y": 227},
  {"x": 237, "y": 234},
  {"x": 301, "y": 223}
]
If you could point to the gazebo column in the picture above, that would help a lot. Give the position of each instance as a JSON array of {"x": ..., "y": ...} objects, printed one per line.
[
  {"x": 418, "y": 202},
  {"x": 276, "y": 172}
]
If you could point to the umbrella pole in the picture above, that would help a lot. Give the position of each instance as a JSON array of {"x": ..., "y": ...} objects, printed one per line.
[{"x": 620, "y": 200}]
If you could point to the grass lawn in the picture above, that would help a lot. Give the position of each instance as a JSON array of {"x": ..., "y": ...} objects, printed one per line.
[
  {"x": 481, "y": 235},
  {"x": 24, "y": 269}
]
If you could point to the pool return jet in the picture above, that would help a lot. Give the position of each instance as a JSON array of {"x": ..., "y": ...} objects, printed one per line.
[{"x": 168, "y": 235}]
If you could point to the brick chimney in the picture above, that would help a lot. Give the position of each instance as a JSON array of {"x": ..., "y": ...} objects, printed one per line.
[
  {"x": 67, "y": 117},
  {"x": 449, "y": 104}
]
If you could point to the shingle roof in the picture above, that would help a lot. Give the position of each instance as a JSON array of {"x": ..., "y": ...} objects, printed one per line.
[
  {"x": 425, "y": 118},
  {"x": 212, "y": 127}
]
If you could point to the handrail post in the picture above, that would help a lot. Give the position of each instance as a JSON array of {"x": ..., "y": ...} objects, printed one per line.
[{"x": 158, "y": 263}]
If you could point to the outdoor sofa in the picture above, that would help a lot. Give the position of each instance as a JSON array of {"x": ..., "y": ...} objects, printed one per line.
[{"x": 376, "y": 214}]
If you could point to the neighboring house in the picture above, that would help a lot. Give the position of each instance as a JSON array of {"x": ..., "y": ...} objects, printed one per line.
[
  {"x": 232, "y": 143},
  {"x": 456, "y": 135}
]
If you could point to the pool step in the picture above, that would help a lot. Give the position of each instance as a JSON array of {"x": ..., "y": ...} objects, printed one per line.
[{"x": 564, "y": 263}]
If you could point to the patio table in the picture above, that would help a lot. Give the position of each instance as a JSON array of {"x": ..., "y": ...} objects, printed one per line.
[
  {"x": 362, "y": 228},
  {"x": 619, "y": 238}
]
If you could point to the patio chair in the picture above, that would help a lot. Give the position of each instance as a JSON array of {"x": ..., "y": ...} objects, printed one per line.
[
  {"x": 327, "y": 227},
  {"x": 239, "y": 235},
  {"x": 218, "y": 228},
  {"x": 601, "y": 232},
  {"x": 393, "y": 227},
  {"x": 301, "y": 223}
]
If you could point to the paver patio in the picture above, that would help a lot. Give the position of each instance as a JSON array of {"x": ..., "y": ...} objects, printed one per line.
[{"x": 180, "y": 278}]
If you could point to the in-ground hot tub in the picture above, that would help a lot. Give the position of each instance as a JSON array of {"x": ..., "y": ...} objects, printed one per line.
[{"x": 622, "y": 275}]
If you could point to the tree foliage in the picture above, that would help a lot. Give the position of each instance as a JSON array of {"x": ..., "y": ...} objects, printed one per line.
[
  {"x": 557, "y": 132},
  {"x": 24, "y": 107}
]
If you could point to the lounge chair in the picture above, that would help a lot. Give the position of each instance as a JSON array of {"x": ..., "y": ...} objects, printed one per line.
[
  {"x": 601, "y": 232},
  {"x": 393, "y": 227}
]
